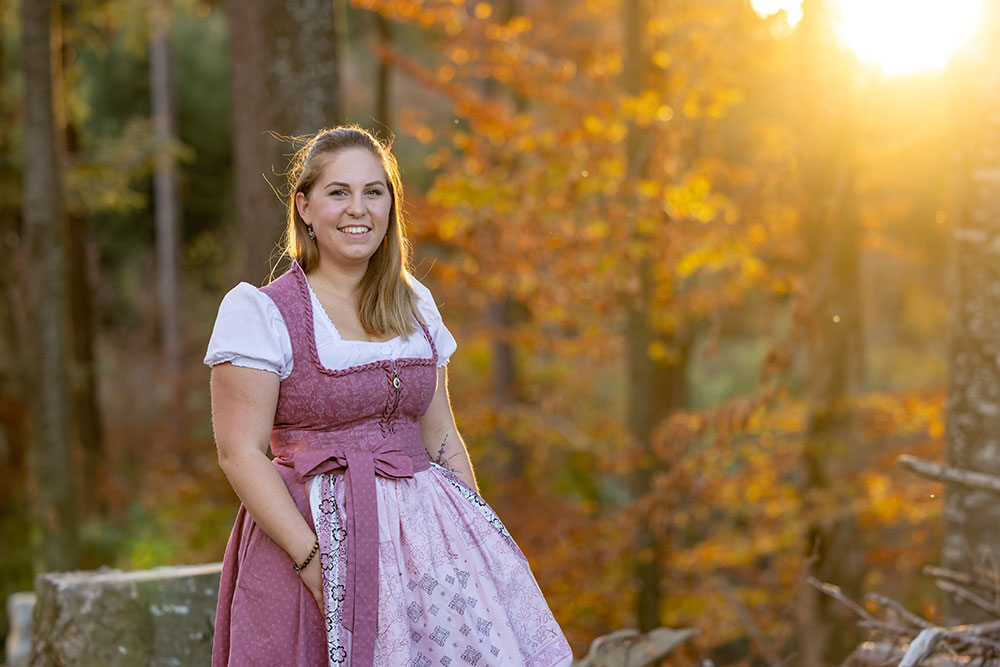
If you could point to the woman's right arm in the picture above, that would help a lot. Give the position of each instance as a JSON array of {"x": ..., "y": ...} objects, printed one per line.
[{"x": 243, "y": 405}]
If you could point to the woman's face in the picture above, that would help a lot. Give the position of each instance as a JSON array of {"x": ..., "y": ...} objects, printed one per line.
[{"x": 348, "y": 207}]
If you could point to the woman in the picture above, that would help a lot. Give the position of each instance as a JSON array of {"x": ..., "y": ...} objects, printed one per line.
[{"x": 353, "y": 546}]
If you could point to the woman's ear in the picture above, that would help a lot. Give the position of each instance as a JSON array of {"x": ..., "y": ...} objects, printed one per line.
[{"x": 302, "y": 205}]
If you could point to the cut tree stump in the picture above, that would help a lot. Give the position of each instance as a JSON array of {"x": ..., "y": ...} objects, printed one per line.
[{"x": 161, "y": 617}]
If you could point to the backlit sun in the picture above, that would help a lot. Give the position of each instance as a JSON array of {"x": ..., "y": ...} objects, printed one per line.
[{"x": 897, "y": 35}]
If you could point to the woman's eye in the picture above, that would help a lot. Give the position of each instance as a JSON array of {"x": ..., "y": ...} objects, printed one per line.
[{"x": 374, "y": 192}]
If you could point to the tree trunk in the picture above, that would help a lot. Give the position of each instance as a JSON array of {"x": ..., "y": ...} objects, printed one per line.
[
  {"x": 285, "y": 79},
  {"x": 972, "y": 517},
  {"x": 255, "y": 154},
  {"x": 45, "y": 229},
  {"x": 834, "y": 344},
  {"x": 15, "y": 507},
  {"x": 166, "y": 198},
  {"x": 81, "y": 287},
  {"x": 304, "y": 70},
  {"x": 656, "y": 388},
  {"x": 383, "y": 101}
]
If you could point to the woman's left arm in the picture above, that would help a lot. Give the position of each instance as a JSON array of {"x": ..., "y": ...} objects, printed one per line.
[{"x": 440, "y": 434}]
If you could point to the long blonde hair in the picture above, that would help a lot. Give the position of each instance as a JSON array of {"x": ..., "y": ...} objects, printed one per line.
[{"x": 386, "y": 301}]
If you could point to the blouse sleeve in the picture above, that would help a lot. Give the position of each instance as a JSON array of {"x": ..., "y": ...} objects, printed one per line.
[
  {"x": 443, "y": 340},
  {"x": 249, "y": 331}
]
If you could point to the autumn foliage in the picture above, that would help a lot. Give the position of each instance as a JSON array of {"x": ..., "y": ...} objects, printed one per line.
[{"x": 538, "y": 186}]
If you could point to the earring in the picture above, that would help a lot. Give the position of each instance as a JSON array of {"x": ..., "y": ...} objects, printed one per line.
[{"x": 312, "y": 234}]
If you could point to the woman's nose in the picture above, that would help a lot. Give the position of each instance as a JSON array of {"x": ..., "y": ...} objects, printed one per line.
[{"x": 355, "y": 206}]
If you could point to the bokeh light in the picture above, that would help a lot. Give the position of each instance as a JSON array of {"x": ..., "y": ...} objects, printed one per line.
[{"x": 903, "y": 36}]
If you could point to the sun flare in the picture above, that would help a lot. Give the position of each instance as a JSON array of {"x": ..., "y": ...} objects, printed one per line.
[{"x": 899, "y": 36}]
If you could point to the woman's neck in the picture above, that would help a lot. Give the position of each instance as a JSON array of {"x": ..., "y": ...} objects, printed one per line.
[{"x": 343, "y": 281}]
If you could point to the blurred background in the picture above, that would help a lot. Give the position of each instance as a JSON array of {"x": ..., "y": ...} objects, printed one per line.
[{"x": 712, "y": 266}]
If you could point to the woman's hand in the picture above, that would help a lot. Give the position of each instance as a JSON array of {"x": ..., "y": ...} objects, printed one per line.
[
  {"x": 440, "y": 434},
  {"x": 243, "y": 406},
  {"x": 311, "y": 577}
]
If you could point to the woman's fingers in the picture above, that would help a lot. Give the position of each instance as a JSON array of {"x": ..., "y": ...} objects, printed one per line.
[{"x": 314, "y": 582}]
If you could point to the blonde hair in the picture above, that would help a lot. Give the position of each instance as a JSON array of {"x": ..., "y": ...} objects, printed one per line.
[{"x": 387, "y": 301}]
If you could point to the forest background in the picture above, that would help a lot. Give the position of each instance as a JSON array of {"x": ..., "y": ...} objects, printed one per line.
[{"x": 710, "y": 271}]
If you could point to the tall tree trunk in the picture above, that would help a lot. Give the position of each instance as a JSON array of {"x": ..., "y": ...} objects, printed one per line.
[
  {"x": 304, "y": 67},
  {"x": 647, "y": 552},
  {"x": 285, "y": 79},
  {"x": 15, "y": 368},
  {"x": 80, "y": 285},
  {"x": 656, "y": 388},
  {"x": 45, "y": 229},
  {"x": 834, "y": 341},
  {"x": 257, "y": 210},
  {"x": 503, "y": 315},
  {"x": 971, "y": 517},
  {"x": 383, "y": 92},
  {"x": 166, "y": 197}
]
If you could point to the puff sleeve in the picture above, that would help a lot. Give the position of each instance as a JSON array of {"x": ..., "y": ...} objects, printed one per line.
[
  {"x": 250, "y": 332},
  {"x": 443, "y": 340}
]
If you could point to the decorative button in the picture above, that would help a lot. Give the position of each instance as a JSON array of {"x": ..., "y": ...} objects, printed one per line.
[{"x": 396, "y": 382}]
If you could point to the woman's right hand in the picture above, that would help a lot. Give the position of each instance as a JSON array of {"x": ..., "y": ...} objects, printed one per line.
[{"x": 311, "y": 577}]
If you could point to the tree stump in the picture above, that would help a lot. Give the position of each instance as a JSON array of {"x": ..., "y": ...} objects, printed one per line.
[{"x": 158, "y": 617}]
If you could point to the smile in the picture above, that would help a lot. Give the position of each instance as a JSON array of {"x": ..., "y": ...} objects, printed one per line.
[{"x": 355, "y": 230}]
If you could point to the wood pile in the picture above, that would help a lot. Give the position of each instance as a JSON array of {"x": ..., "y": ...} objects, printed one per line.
[{"x": 904, "y": 638}]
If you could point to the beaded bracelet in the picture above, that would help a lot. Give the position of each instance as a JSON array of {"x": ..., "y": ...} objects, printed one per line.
[{"x": 299, "y": 568}]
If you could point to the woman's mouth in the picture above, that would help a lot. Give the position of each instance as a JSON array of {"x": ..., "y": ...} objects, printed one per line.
[{"x": 357, "y": 230}]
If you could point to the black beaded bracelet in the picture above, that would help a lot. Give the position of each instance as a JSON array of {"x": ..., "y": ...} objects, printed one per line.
[{"x": 299, "y": 568}]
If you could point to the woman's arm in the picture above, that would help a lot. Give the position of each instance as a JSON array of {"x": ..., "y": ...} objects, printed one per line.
[
  {"x": 440, "y": 434},
  {"x": 243, "y": 405}
]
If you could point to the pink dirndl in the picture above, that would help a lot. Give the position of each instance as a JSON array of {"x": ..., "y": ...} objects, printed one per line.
[{"x": 418, "y": 570}]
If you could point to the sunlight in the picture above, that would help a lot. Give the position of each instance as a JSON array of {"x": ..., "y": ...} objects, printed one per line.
[
  {"x": 899, "y": 36},
  {"x": 792, "y": 8},
  {"x": 907, "y": 35}
]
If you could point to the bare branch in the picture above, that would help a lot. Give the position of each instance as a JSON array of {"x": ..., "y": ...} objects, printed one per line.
[
  {"x": 968, "y": 596},
  {"x": 990, "y": 583},
  {"x": 906, "y": 614},
  {"x": 868, "y": 619},
  {"x": 943, "y": 473}
]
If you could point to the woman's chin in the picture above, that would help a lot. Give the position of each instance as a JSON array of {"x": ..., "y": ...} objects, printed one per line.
[{"x": 358, "y": 254}]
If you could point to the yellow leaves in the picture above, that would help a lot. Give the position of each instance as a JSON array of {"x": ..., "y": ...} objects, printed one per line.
[
  {"x": 424, "y": 134},
  {"x": 662, "y": 353},
  {"x": 433, "y": 161},
  {"x": 691, "y": 108},
  {"x": 882, "y": 502},
  {"x": 519, "y": 24},
  {"x": 756, "y": 235},
  {"x": 470, "y": 265},
  {"x": 459, "y": 55},
  {"x": 483, "y": 10},
  {"x": 450, "y": 225},
  {"x": 646, "y": 108},
  {"x": 649, "y": 189},
  {"x": 597, "y": 229},
  {"x": 592, "y": 124},
  {"x": 662, "y": 59},
  {"x": 445, "y": 73}
]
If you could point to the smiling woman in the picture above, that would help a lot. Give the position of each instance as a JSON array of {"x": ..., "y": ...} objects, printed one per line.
[
  {"x": 365, "y": 541},
  {"x": 898, "y": 36}
]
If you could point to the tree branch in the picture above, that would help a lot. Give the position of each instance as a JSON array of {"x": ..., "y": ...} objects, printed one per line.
[{"x": 949, "y": 474}]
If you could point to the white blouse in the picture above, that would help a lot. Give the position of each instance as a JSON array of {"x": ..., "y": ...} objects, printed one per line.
[{"x": 250, "y": 331}]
